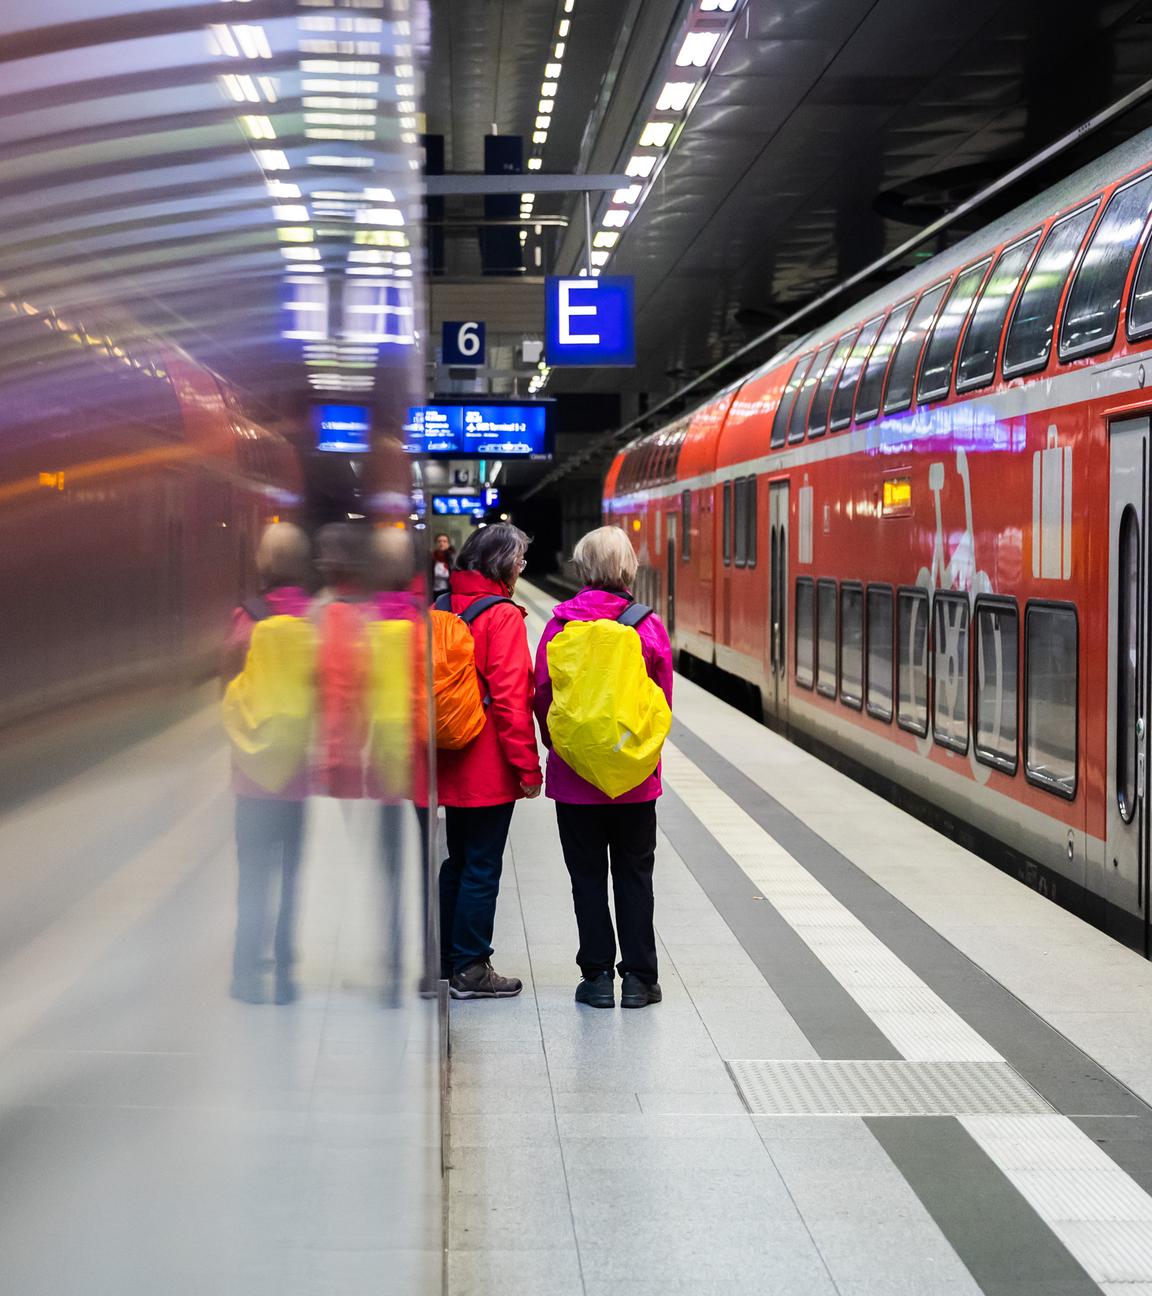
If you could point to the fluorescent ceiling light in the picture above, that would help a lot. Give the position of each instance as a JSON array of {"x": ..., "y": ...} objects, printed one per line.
[
  {"x": 627, "y": 196},
  {"x": 569, "y": 5},
  {"x": 322, "y": 86},
  {"x": 282, "y": 189},
  {"x": 546, "y": 105},
  {"x": 240, "y": 89},
  {"x": 548, "y": 89},
  {"x": 553, "y": 70},
  {"x": 343, "y": 67},
  {"x": 405, "y": 89},
  {"x": 340, "y": 118},
  {"x": 640, "y": 165},
  {"x": 718, "y": 6},
  {"x": 616, "y": 217},
  {"x": 655, "y": 135},
  {"x": 381, "y": 216},
  {"x": 258, "y": 127},
  {"x": 333, "y": 133},
  {"x": 272, "y": 159},
  {"x": 540, "y": 137},
  {"x": 527, "y": 199},
  {"x": 697, "y": 49},
  {"x": 301, "y": 253},
  {"x": 675, "y": 95},
  {"x": 331, "y": 160},
  {"x": 564, "y": 28},
  {"x": 295, "y": 233},
  {"x": 240, "y": 41},
  {"x": 294, "y": 212},
  {"x": 542, "y": 123},
  {"x": 534, "y": 164},
  {"x": 601, "y": 239},
  {"x": 379, "y": 195},
  {"x": 558, "y": 52},
  {"x": 331, "y": 101},
  {"x": 600, "y": 258}
]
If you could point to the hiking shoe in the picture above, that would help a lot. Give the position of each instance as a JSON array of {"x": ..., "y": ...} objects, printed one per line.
[
  {"x": 597, "y": 991},
  {"x": 479, "y": 981},
  {"x": 635, "y": 993}
]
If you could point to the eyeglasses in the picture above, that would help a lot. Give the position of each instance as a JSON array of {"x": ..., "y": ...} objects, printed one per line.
[{"x": 521, "y": 563}]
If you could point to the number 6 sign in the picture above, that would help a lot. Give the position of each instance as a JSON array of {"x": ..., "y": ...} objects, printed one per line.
[{"x": 462, "y": 342}]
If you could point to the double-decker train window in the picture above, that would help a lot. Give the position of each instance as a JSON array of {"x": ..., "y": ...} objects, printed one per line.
[
  {"x": 1140, "y": 303},
  {"x": 744, "y": 495},
  {"x": 940, "y": 354},
  {"x": 872, "y": 380},
  {"x": 1050, "y": 681},
  {"x": 902, "y": 374},
  {"x": 822, "y": 401},
  {"x": 977, "y": 365},
  {"x": 878, "y": 690},
  {"x": 912, "y": 661},
  {"x": 685, "y": 525},
  {"x": 950, "y": 671},
  {"x": 798, "y": 421},
  {"x": 826, "y": 638},
  {"x": 1128, "y": 662},
  {"x": 1093, "y": 305},
  {"x": 1029, "y": 337},
  {"x": 997, "y": 655},
  {"x": 846, "y": 384},
  {"x": 852, "y": 646},
  {"x": 788, "y": 401},
  {"x": 805, "y": 644},
  {"x": 726, "y": 524}
]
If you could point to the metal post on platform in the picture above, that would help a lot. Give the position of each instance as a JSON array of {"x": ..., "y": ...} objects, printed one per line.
[{"x": 588, "y": 232}]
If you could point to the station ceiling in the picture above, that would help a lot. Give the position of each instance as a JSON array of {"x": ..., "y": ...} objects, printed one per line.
[{"x": 828, "y": 132}]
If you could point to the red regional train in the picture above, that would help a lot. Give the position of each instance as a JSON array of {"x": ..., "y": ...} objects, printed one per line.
[
  {"x": 921, "y": 533},
  {"x": 133, "y": 488}
]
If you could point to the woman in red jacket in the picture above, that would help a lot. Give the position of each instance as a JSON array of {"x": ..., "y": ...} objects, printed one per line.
[{"x": 480, "y": 784}]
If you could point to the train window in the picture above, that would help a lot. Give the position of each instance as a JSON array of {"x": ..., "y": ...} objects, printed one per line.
[
  {"x": 726, "y": 524},
  {"x": 685, "y": 526},
  {"x": 852, "y": 646},
  {"x": 997, "y": 654},
  {"x": 950, "y": 671},
  {"x": 850, "y": 374},
  {"x": 902, "y": 374},
  {"x": 879, "y": 660},
  {"x": 804, "y": 397},
  {"x": 1093, "y": 305},
  {"x": 1050, "y": 682},
  {"x": 805, "y": 646},
  {"x": 940, "y": 355},
  {"x": 872, "y": 381},
  {"x": 978, "y": 353},
  {"x": 1030, "y": 331},
  {"x": 787, "y": 400},
  {"x": 750, "y": 521},
  {"x": 826, "y": 638},
  {"x": 912, "y": 661},
  {"x": 1127, "y": 663},
  {"x": 1140, "y": 303},
  {"x": 740, "y": 522},
  {"x": 822, "y": 401}
]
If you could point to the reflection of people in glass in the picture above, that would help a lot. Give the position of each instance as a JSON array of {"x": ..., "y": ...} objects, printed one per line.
[
  {"x": 269, "y": 819},
  {"x": 443, "y": 556}
]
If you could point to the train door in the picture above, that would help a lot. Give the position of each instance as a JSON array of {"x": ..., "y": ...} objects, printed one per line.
[
  {"x": 777, "y": 692},
  {"x": 1126, "y": 865},
  {"x": 670, "y": 583}
]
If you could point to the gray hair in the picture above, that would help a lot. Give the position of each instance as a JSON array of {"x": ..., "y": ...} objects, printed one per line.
[
  {"x": 282, "y": 557},
  {"x": 342, "y": 551},
  {"x": 605, "y": 558},
  {"x": 394, "y": 558},
  {"x": 495, "y": 552}
]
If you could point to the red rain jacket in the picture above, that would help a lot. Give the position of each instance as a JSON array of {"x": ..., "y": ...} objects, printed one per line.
[{"x": 489, "y": 770}]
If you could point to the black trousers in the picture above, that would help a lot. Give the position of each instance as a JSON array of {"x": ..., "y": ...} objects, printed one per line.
[
  {"x": 620, "y": 838},
  {"x": 269, "y": 838},
  {"x": 470, "y": 881}
]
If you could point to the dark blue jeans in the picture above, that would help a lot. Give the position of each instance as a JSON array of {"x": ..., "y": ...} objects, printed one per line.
[
  {"x": 269, "y": 838},
  {"x": 470, "y": 881}
]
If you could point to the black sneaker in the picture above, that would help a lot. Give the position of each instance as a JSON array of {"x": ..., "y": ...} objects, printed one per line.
[
  {"x": 479, "y": 981},
  {"x": 597, "y": 992},
  {"x": 635, "y": 993}
]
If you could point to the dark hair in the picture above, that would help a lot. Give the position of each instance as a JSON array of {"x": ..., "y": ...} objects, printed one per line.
[{"x": 494, "y": 551}]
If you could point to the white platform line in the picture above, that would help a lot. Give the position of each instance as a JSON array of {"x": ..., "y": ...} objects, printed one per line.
[{"x": 1101, "y": 1215}]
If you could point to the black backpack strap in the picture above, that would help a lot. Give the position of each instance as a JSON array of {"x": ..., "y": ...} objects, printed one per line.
[
  {"x": 633, "y": 614},
  {"x": 480, "y": 606},
  {"x": 443, "y": 603},
  {"x": 257, "y": 608}
]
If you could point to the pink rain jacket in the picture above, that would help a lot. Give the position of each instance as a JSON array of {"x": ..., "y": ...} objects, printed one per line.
[{"x": 564, "y": 784}]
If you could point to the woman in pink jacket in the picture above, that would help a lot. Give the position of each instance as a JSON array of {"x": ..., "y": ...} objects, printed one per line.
[{"x": 599, "y": 834}]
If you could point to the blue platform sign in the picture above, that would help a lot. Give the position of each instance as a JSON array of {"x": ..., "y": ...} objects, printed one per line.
[
  {"x": 462, "y": 342},
  {"x": 342, "y": 428},
  {"x": 589, "y": 321},
  {"x": 479, "y": 431}
]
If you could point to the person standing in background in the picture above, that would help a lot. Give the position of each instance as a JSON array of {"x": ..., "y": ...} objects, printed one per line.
[
  {"x": 443, "y": 558},
  {"x": 269, "y": 823}
]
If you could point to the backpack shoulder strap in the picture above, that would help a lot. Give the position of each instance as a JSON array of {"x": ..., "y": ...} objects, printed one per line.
[
  {"x": 480, "y": 606},
  {"x": 257, "y": 608},
  {"x": 443, "y": 603},
  {"x": 633, "y": 614}
]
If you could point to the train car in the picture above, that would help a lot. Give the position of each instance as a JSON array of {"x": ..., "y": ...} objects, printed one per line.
[
  {"x": 921, "y": 535},
  {"x": 133, "y": 486}
]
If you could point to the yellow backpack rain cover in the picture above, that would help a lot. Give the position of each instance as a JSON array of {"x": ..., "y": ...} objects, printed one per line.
[
  {"x": 608, "y": 718},
  {"x": 394, "y": 694},
  {"x": 268, "y": 708}
]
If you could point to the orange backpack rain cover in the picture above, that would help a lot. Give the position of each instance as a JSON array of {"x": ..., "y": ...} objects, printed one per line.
[{"x": 455, "y": 683}]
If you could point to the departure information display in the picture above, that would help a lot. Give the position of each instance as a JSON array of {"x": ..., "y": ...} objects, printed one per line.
[
  {"x": 342, "y": 428},
  {"x": 479, "y": 431}
]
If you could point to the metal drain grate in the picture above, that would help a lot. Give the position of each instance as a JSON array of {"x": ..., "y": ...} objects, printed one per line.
[{"x": 820, "y": 1088}]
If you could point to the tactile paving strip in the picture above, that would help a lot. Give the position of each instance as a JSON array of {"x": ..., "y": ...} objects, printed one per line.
[{"x": 861, "y": 1088}]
